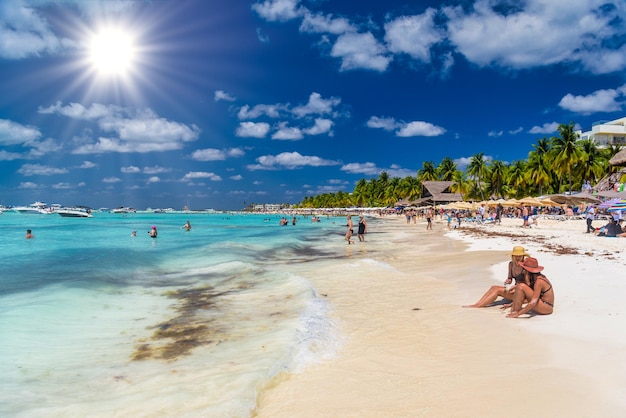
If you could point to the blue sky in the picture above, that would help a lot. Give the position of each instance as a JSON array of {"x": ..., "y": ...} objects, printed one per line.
[{"x": 217, "y": 103}]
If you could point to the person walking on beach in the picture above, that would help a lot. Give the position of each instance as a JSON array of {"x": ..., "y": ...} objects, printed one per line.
[
  {"x": 29, "y": 234},
  {"x": 590, "y": 217},
  {"x": 349, "y": 231},
  {"x": 538, "y": 294},
  {"x": 362, "y": 228},
  {"x": 516, "y": 272},
  {"x": 429, "y": 218}
]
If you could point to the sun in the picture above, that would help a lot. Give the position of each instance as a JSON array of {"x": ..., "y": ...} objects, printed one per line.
[{"x": 112, "y": 52}]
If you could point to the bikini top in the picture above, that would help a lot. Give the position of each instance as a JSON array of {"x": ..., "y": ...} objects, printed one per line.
[
  {"x": 543, "y": 292},
  {"x": 519, "y": 277}
]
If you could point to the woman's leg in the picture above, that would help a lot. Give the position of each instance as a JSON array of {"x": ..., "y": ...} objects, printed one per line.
[{"x": 490, "y": 296}]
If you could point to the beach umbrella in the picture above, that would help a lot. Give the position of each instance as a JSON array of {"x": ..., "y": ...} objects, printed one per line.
[
  {"x": 548, "y": 202},
  {"x": 531, "y": 201},
  {"x": 510, "y": 202},
  {"x": 621, "y": 205},
  {"x": 573, "y": 199},
  {"x": 608, "y": 203}
]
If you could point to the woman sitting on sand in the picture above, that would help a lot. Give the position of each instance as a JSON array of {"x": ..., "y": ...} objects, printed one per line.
[
  {"x": 539, "y": 294},
  {"x": 516, "y": 272}
]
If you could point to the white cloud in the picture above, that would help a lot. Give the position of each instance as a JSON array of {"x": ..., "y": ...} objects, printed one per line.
[
  {"x": 213, "y": 154},
  {"x": 137, "y": 130},
  {"x": 538, "y": 33},
  {"x": 599, "y": 101},
  {"x": 322, "y": 126},
  {"x": 236, "y": 177},
  {"x": 28, "y": 185},
  {"x": 495, "y": 133},
  {"x": 318, "y": 23},
  {"x": 278, "y": 10},
  {"x": 88, "y": 164},
  {"x": 201, "y": 175},
  {"x": 285, "y": 132},
  {"x": 130, "y": 169},
  {"x": 516, "y": 131},
  {"x": 24, "y": 32},
  {"x": 253, "y": 129},
  {"x": 413, "y": 35},
  {"x": 12, "y": 133},
  {"x": 222, "y": 95},
  {"x": 40, "y": 170},
  {"x": 316, "y": 105},
  {"x": 111, "y": 180},
  {"x": 62, "y": 186},
  {"x": 419, "y": 128},
  {"x": 416, "y": 128},
  {"x": 156, "y": 170},
  {"x": 546, "y": 128},
  {"x": 289, "y": 160},
  {"x": 272, "y": 111},
  {"x": 360, "y": 51},
  {"x": 9, "y": 156},
  {"x": 388, "y": 124},
  {"x": 153, "y": 179},
  {"x": 370, "y": 169}
]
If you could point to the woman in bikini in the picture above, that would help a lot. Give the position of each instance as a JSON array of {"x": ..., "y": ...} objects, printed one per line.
[
  {"x": 516, "y": 272},
  {"x": 539, "y": 295}
]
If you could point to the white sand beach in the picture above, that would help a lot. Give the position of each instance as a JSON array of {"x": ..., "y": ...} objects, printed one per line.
[{"x": 411, "y": 350}]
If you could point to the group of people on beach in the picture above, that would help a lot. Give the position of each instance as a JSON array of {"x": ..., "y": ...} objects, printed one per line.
[
  {"x": 361, "y": 231},
  {"x": 525, "y": 290}
]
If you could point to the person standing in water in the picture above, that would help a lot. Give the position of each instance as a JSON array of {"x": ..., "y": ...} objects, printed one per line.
[
  {"x": 349, "y": 231},
  {"x": 153, "y": 232},
  {"x": 362, "y": 228}
]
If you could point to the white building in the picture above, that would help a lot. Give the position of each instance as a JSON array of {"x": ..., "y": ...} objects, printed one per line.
[{"x": 607, "y": 133}]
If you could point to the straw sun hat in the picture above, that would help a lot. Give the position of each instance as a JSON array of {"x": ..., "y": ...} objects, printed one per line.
[
  {"x": 531, "y": 264},
  {"x": 518, "y": 250}
]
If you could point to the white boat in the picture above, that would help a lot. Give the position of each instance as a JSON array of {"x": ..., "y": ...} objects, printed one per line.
[
  {"x": 37, "y": 208},
  {"x": 74, "y": 212},
  {"x": 123, "y": 209}
]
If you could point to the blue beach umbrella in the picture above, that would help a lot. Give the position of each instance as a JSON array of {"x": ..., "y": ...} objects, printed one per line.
[
  {"x": 621, "y": 205},
  {"x": 608, "y": 203}
]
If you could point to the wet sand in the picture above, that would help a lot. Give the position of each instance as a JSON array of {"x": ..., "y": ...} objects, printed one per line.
[{"x": 411, "y": 350}]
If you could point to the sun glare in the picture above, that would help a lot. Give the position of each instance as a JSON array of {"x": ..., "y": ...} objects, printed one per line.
[{"x": 112, "y": 52}]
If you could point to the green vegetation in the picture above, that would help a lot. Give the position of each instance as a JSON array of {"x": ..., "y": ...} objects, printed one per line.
[{"x": 555, "y": 165}]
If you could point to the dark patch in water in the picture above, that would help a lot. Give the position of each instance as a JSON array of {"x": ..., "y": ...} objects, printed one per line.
[{"x": 188, "y": 330}]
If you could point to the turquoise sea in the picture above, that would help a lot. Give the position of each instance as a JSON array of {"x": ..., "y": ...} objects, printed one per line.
[{"x": 96, "y": 322}]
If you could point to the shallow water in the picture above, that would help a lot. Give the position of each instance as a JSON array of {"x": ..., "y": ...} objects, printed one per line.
[{"x": 95, "y": 322}]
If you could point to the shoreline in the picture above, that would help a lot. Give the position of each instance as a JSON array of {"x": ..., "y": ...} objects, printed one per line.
[{"x": 412, "y": 350}]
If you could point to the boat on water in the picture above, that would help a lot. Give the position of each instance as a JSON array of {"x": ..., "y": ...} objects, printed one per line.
[
  {"x": 37, "y": 208},
  {"x": 74, "y": 212},
  {"x": 123, "y": 209}
]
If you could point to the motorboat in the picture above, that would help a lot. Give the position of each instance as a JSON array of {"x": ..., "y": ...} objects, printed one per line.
[
  {"x": 74, "y": 212},
  {"x": 37, "y": 208},
  {"x": 123, "y": 209}
]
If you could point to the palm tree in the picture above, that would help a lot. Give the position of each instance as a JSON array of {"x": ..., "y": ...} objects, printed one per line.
[
  {"x": 446, "y": 169},
  {"x": 428, "y": 172},
  {"x": 359, "y": 195},
  {"x": 460, "y": 183},
  {"x": 477, "y": 169},
  {"x": 567, "y": 152},
  {"x": 537, "y": 168},
  {"x": 517, "y": 177},
  {"x": 593, "y": 162},
  {"x": 497, "y": 175},
  {"x": 409, "y": 188}
]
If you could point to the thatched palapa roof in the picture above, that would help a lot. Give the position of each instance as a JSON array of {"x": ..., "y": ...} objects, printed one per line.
[
  {"x": 619, "y": 158},
  {"x": 437, "y": 192}
]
